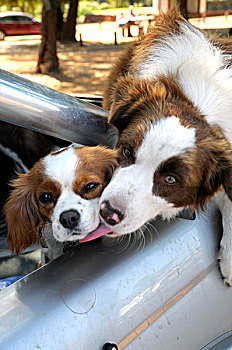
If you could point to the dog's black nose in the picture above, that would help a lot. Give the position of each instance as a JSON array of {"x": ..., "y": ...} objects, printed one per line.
[
  {"x": 111, "y": 215},
  {"x": 69, "y": 218}
]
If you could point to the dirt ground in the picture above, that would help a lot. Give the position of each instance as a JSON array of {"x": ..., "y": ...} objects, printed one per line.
[{"x": 82, "y": 69}]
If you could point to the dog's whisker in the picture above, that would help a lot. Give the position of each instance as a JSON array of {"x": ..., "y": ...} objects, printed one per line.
[
  {"x": 141, "y": 239},
  {"x": 126, "y": 240},
  {"x": 151, "y": 226}
]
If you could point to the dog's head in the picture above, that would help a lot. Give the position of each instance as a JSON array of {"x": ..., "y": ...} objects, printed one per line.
[
  {"x": 170, "y": 157},
  {"x": 63, "y": 189}
]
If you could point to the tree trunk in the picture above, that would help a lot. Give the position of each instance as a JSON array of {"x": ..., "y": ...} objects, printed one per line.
[
  {"x": 183, "y": 8},
  {"x": 69, "y": 27},
  {"x": 59, "y": 23},
  {"x": 48, "y": 60}
]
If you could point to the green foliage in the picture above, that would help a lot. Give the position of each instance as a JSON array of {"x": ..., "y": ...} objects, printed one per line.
[
  {"x": 119, "y": 3},
  {"x": 86, "y": 6},
  {"x": 33, "y": 7},
  {"x": 114, "y": 11}
]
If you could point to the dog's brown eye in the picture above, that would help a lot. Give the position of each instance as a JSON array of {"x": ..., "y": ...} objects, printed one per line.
[
  {"x": 89, "y": 187},
  {"x": 46, "y": 198},
  {"x": 126, "y": 152},
  {"x": 170, "y": 180}
]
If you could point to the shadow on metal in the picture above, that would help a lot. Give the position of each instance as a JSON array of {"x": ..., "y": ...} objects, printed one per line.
[
  {"x": 39, "y": 108},
  {"x": 158, "y": 292}
]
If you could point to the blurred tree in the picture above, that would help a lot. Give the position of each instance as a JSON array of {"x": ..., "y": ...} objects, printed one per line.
[
  {"x": 29, "y": 6},
  {"x": 48, "y": 60},
  {"x": 60, "y": 20},
  {"x": 69, "y": 26},
  {"x": 183, "y": 8}
]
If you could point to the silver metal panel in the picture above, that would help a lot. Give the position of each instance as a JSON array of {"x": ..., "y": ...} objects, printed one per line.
[
  {"x": 224, "y": 342},
  {"x": 167, "y": 294},
  {"x": 48, "y": 111}
]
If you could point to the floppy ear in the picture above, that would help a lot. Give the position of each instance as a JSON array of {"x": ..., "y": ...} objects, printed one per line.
[
  {"x": 227, "y": 183},
  {"x": 123, "y": 101},
  {"x": 22, "y": 215},
  {"x": 130, "y": 98},
  {"x": 226, "y": 177},
  {"x": 218, "y": 173}
]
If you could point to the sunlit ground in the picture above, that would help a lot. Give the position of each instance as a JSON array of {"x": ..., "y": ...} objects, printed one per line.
[
  {"x": 213, "y": 22},
  {"x": 82, "y": 69},
  {"x": 104, "y": 32}
]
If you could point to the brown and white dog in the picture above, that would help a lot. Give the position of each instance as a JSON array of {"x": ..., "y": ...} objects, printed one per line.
[
  {"x": 57, "y": 201},
  {"x": 170, "y": 98}
]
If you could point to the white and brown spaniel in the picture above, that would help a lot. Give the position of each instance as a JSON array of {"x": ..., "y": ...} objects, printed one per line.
[
  {"x": 57, "y": 201},
  {"x": 170, "y": 98}
]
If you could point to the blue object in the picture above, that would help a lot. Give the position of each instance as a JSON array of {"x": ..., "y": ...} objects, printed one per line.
[{"x": 5, "y": 282}]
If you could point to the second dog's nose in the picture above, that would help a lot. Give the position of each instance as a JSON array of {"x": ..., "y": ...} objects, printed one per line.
[
  {"x": 69, "y": 218},
  {"x": 112, "y": 216}
]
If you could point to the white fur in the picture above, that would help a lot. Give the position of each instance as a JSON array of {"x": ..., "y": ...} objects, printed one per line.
[
  {"x": 204, "y": 74},
  {"x": 201, "y": 70},
  {"x": 225, "y": 254},
  {"x": 131, "y": 187},
  {"x": 168, "y": 137},
  {"x": 62, "y": 168}
]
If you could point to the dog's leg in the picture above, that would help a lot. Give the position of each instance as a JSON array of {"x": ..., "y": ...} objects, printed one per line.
[
  {"x": 53, "y": 249},
  {"x": 45, "y": 256},
  {"x": 225, "y": 254}
]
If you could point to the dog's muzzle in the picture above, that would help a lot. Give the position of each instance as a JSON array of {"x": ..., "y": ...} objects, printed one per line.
[
  {"x": 70, "y": 218},
  {"x": 109, "y": 214}
]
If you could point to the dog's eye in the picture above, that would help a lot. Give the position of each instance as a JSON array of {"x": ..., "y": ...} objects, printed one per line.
[
  {"x": 126, "y": 152},
  {"x": 170, "y": 180},
  {"x": 89, "y": 187},
  {"x": 46, "y": 198}
]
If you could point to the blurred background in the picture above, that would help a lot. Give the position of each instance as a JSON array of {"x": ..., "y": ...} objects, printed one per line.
[{"x": 70, "y": 45}]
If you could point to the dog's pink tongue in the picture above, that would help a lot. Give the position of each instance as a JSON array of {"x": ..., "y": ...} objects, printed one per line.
[{"x": 100, "y": 231}]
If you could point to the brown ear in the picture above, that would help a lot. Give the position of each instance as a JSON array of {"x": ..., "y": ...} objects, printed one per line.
[
  {"x": 120, "y": 115},
  {"x": 218, "y": 173},
  {"x": 226, "y": 179},
  {"x": 22, "y": 215},
  {"x": 131, "y": 98},
  {"x": 227, "y": 183}
]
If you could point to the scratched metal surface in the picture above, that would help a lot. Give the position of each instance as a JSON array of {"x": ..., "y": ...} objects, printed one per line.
[
  {"x": 39, "y": 108},
  {"x": 167, "y": 294}
]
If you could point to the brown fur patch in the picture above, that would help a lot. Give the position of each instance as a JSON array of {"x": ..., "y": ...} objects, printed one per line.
[
  {"x": 137, "y": 52},
  {"x": 136, "y": 103},
  {"x": 47, "y": 186},
  {"x": 22, "y": 212},
  {"x": 165, "y": 25},
  {"x": 148, "y": 101},
  {"x": 97, "y": 166}
]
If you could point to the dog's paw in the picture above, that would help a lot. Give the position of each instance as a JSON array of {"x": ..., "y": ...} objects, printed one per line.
[
  {"x": 227, "y": 282},
  {"x": 225, "y": 262}
]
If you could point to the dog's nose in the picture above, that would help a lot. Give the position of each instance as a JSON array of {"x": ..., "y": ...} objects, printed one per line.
[
  {"x": 112, "y": 216},
  {"x": 69, "y": 218}
]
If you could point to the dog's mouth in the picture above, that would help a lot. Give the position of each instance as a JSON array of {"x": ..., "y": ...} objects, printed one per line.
[{"x": 100, "y": 231}]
